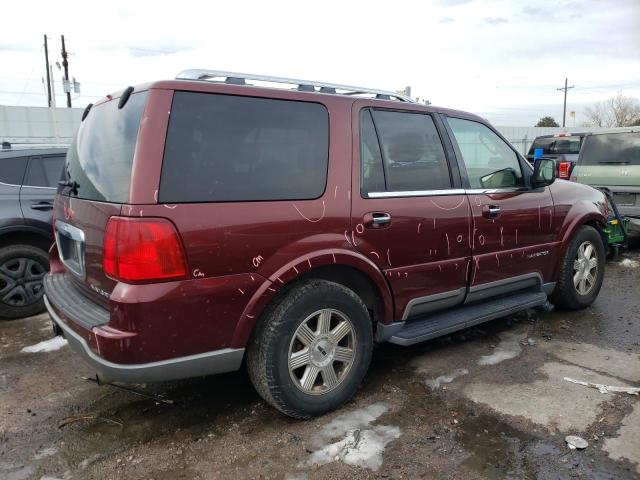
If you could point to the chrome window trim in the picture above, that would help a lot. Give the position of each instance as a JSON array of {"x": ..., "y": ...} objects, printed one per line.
[
  {"x": 416, "y": 193},
  {"x": 452, "y": 191}
]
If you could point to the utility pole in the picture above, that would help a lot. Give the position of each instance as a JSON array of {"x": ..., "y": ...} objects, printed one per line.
[
  {"x": 46, "y": 59},
  {"x": 564, "y": 110},
  {"x": 65, "y": 64}
]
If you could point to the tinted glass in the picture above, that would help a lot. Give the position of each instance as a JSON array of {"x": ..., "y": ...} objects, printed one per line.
[
  {"x": 557, "y": 145},
  {"x": 371, "y": 171},
  {"x": 45, "y": 171},
  {"x": 621, "y": 148},
  {"x": 413, "y": 154},
  {"x": 489, "y": 161},
  {"x": 12, "y": 170},
  {"x": 232, "y": 148},
  {"x": 100, "y": 157}
]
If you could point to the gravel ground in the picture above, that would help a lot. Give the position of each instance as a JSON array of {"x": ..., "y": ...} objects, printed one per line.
[{"x": 489, "y": 402}]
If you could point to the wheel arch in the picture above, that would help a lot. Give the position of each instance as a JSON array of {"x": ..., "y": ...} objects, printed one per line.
[
  {"x": 25, "y": 235},
  {"x": 345, "y": 267}
]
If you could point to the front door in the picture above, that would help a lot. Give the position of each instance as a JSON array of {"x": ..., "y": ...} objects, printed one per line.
[
  {"x": 512, "y": 235},
  {"x": 409, "y": 214}
]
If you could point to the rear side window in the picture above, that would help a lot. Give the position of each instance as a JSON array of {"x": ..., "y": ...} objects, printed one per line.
[
  {"x": 45, "y": 171},
  {"x": 100, "y": 158},
  {"x": 234, "y": 148},
  {"x": 12, "y": 170},
  {"x": 412, "y": 153},
  {"x": 620, "y": 148}
]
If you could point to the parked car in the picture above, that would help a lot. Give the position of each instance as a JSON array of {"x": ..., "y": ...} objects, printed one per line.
[
  {"x": 611, "y": 159},
  {"x": 294, "y": 228},
  {"x": 28, "y": 181},
  {"x": 564, "y": 148}
]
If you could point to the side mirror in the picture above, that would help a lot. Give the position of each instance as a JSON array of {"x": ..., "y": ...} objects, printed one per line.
[{"x": 544, "y": 173}]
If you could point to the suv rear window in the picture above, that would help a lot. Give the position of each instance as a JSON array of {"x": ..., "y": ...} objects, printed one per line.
[
  {"x": 100, "y": 157},
  {"x": 557, "y": 145},
  {"x": 234, "y": 148},
  {"x": 618, "y": 148}
]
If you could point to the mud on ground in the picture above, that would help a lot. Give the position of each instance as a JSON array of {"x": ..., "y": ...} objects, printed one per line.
[{"x": 490, "y": 402}]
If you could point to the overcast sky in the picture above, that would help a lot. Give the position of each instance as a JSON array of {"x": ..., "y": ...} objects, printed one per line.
[{"x": 501, "y": 59}]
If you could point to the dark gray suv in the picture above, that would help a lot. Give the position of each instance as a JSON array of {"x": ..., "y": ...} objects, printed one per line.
[{"x": 28, "y": 181}]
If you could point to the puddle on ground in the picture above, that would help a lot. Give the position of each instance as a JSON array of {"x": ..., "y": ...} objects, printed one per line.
[{"x": 508, "y": 348}]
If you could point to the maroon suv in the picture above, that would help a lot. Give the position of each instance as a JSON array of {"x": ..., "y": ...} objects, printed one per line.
[{"x": 204, "y": 220}]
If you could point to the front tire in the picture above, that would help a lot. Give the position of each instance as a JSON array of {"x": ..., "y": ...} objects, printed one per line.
[
  {"x": 311, "y": 350},
  {"x": 582, "y": 270},
  {"x": 22, "y": 268}
]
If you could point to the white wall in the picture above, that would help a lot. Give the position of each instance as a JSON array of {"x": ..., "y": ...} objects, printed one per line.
[{"x": 37, "y": 125}]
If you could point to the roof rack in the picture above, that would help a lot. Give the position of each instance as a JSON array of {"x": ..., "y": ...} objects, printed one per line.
[{"x": 301, "y": 85}]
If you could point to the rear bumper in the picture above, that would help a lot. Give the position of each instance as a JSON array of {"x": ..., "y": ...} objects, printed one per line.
[{"x": 207, "y": 363}]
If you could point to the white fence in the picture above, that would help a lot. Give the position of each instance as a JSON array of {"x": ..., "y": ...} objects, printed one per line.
[{"x": 48, "y": 125}]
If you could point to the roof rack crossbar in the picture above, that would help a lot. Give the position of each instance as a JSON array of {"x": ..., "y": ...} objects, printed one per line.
[{"x": 303, "y": 85}]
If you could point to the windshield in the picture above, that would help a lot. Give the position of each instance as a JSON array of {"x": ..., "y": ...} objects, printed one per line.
[
  {"x": 100, "y": 158},
  {"x": 621, "y": 148},
  {"x": 557, "y": 145}
]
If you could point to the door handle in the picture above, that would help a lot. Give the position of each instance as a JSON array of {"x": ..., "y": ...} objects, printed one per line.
[
  {"x": 491, "y": 211},
  {"x": 377, "y": 220},
  {"x": 42, "y": 206}
]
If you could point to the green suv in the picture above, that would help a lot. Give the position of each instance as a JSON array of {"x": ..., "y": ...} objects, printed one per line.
[{"x": 610, "y": 159}]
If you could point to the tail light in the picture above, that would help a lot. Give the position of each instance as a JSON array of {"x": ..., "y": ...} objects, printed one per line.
[
  {"x": 142, "y": 250},
  {"x": 564, "y": 169}
]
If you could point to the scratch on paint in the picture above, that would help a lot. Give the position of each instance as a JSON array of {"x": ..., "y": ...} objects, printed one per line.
[
  {"x": 498, "y": 260},
  {"x": 335, "y": 192},
  {"x": 475, "y": 270},
  {"x": 419, "y": 225},
  {"x": 155, "y": 196},
  {"x": 271, "y": 289},
  {"x": 359, "y": 228},
  {"x": 440, "y": 268},
  {"x": 539, "y": 218},
  {"x": 501, "y": 237},
  {"x": 376, "y": 254},
  {"x": 516, "y": 236},
  {"x": 280, "y": 280},
  {"x": 334, "y": 257},
  {"x": 346, "y": 236},
  {"x": 406, "y": 274},
  {"x": 456, "y": 266},
  {"x": 296, "y": 270},
  {"x": 550, "y": 217},
  {"x": 434, "y": 223},
  {"x": 481, "y": 239},
  {"x": 170, "y": 207},
  {"x": 388, "y": 257},
  {"x": 252, "y": 279},
  {"x": 353, "y": 239},
  {"x": 256, "y": 260},
  {"x": 448, "y": 246},
  {"x": 448, "y": 208},
  {"x": 324, "y": 208},
  {"x": 459, "y": 238},
  {"x": 241, "y": 291},
  {"x": 140, "y": 212},
  {"x": 250, "y": 316},
  {"x": 349, "y": 194},
  {"x": 309, "y": 262}
]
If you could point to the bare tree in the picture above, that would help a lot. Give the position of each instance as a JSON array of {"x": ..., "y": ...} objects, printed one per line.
[{"x": 618, "y": 111}]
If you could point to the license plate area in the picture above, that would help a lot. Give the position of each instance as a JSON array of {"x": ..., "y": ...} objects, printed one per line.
[{"x": 70, "y": 242}]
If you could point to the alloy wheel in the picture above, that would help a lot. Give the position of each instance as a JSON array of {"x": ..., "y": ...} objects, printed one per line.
[
  {"x": 21, "y": 282},
  {"x": 585, "y": 268},
  {"x": 322, "y": 351}
]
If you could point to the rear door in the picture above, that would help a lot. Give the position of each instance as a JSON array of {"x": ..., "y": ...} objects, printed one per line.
[
  {"x": 98, "y": 172},
  {"x": 512, "y": 236},
  {"x": 409, "y": 214},
  {"x": 39, "y": 188}
]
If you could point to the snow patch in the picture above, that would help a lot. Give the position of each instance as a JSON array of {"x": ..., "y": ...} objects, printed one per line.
[
  {"x": 509, "y": 347},
  {"x": 436, "y": 382},
  {"x": 628, "y": 263},
  {"x": 55, "y": 343},
  {"x": 361, "y": 444}
]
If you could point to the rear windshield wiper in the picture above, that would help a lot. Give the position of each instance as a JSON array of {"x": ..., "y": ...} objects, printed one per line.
[{"x": 71, "y": 184}]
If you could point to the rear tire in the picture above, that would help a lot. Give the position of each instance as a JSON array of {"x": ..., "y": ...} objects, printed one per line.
[
  {"x": 22, "y": 268},
  {"x": 311, "y": 350},
  {"x": 582, "y": 270}
]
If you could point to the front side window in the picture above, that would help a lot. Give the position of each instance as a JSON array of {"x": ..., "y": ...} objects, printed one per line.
[
  {"x": 412, "y": 153},
  {"x": 489, "y": 161},
  {"x": 45, "y": 171},
  {"x": 232, "y": 148}
]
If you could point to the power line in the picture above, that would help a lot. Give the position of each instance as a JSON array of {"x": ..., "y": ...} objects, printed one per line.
[{"x": 564, "y": 110}]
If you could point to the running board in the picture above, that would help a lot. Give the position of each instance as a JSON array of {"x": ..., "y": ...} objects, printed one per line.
[{"x": 432, "y": 326}]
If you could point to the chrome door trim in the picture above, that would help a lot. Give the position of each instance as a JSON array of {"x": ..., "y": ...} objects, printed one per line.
[{"x": 416, "y": 193}]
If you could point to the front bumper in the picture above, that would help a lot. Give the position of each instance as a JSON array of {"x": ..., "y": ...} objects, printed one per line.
[{"x": 207, "y": 363}]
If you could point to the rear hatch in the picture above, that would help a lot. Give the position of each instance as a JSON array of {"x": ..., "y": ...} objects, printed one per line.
[
  {"x": 612, "y": 160},
  {"x": 96, "y": 182}
]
